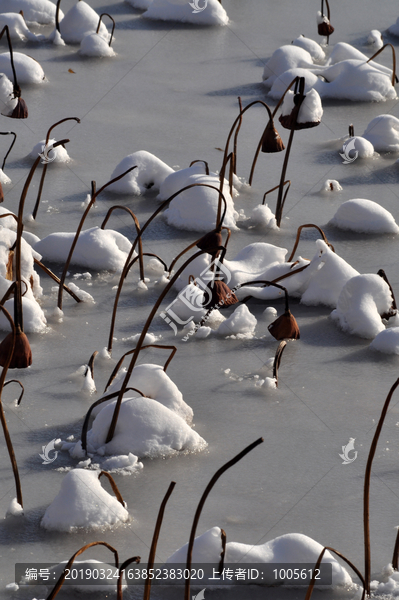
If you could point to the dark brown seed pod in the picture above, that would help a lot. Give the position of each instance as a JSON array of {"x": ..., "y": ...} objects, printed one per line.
[
  {"x": 272, "y": 141},
  {"x": 325, "y": 29},
  {"x": 210, "y": 241},
  {"x": 22, "y": 355},
  {"x": 20, "y": 111},
  {"x": 285, "y": 327},
  {"x": 220, "y": 295}
]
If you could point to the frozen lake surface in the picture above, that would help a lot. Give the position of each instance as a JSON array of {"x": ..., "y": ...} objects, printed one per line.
[{"x": 172, "y": 90}]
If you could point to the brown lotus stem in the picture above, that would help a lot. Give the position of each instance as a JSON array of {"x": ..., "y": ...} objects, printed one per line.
[
  {"x": 394, "y": 307},
  {"x": 90, "y": 364},
  {"x": 130, "y": 254},
  {"x": 136, "y": 258},
  {"x": 396, "y": 552},
  {"x": 298, "y": 235},
  {"x": 277, "y": 359},
  {"x": 2, "y": 415},
  {"x": 39, "y": 193},
  {"x": 10, "y": 291},
  {"x": 21, "y": 386},
  {"x": 137, "y": 225},
  {"x": 328, "y": 14},
  {"x": 236, "y": 136},
  {"x": 366, "y": 496},
  {"x": 203, "y": 161},
  {"x": 223, "y": 538},
  {"x": 140, "y": 342},
  {"x": 309, "y": 591},
  {"x": 95, "y": 193},
  {"x": 351, "y": 130},
  {"x": 85, "y": 426},
  {"x": 17, "y": 89},
  {"x": 56, "y": 279},
  {"x": 200, "y": 506},
  {"x": 120, "y": 361},
  {"x": 4, "y": 215},
  {"x": 117, "y": 493},
  {"x": 113, "y": 26},
  {"x": 10, "y": 148},
  {"x": 154, "y": 543},
  {"x": 124, "y": 565},
  {"x": 174, "y": 261},
  {"x": 57, "y": 17},
  {"x": 278, "y": 187},
  {"x": 394, "y": 78},
  {"x": 265, "y": 284},
  {"x": 61, "y": 579}
]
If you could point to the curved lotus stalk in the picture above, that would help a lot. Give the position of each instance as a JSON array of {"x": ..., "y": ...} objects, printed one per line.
[
  {"x": 277, "y": 359},
  {"x": 154, "y": 543},
  {"x": 124, "y": 565},
  {"x": 10, "y": 148},
  {"x": 56, "y": 279},
  {"x": 137, "y": 224},
  {"x": 193, "y": 162},
  {"x": 115, "y": 489},
  {"x": 298, "y": 235},
  {"x": 94, "y": 195},
  {"x": 120, "y": 361},
  {"x": 61, "y": 579},
  {"x": 21, "y": 110},
  {"x": 130, "y": 254},
  {"x": 325, "y": 28},
  {"x": 20, "y": 385},
  {"x": 309, "y": 591},
  {"x": 140, "y": 341},
  {"x": 236, "y": 136},
  {"x": 201, "y": 503},
  {"x": 6, "y": 366},
  {"x": 394, "y": 78},
  {"x": 113, "y": 26},
  {"x": 39, "y": 193},
  {"x": 136, "y": 258},
  {"x": 288, "y": 183},
  {"x": 396, "y": 553},
  {"x": 210, "y": 240},
  {"x": 366, "y": 495},
  {"x": 394, "y": 309}
]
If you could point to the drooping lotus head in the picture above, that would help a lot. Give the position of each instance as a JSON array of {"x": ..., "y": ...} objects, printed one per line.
[{"x": 285, "y": 327}]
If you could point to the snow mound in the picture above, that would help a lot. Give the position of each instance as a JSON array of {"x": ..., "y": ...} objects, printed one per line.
[
  {"x": 95, "y": 45},
  {"x": 207, "y": 549},
  {"x": 153, "y": 382},
  {"x": 96, "y": 248},
  {"x": 7, "y": 222},
  {"x": 240, "y": 324},
  {"x": 387, "y": 341},
  {"x": 315, "y": 50},
  {"x": 150, "y": 172},
  {"x": 310, "y": 111},
  {"x": 35, "y": 11},
  {"x": 58, "y": 154},
  {"x": 364, "y": 216},
  {"x": 34, "y": 319},
  {"x": 375, "y": 39},
  {"x": 283, "y": 59},
  {"x": 79, "y": 21},
  {"x": 331, "y": 185},
  {"x": 263, "y": 217},
  {"x": 253, "y": 261},
  {"x": 362, "y": 147},
  {"x": 145, "y": 428},
  {"x": 212, "y": 14},
  {"x": 383, "y": 133},
  {"x": 361, "y": 302},
  {"x": 394, "y": 29},
  {"x": 83, "y": 502},
  {"x": 17, "y": 27},
  {"x": 177, "y": 180},
  {"x": 28, "y": 70},
  {"x": 15, "y": 509}
]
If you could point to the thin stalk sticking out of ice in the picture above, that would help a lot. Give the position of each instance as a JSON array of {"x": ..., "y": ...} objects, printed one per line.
[
  {"x": 39, "y": 192},
  {"x": 113, "y": 26},
  {"x": 277, "y": 359},
  {"x": 68, "y": 566},
  {"x": 394, "y": 78},
  {"x": 203, "y": 161},
  {"x": 324, "y": 26},
  {"x": 201, "y": 503},
  {"x": 298, "y": 235},
  {"x": 124, "y": 565},
  {"x": 21, "y": 386},
  {"x": 309, "y": 591},
  {"x": 94, "y": 195},
  {"x": 20, "y": 110},
  {"x": 2, "y": 175},
  {"x": 115, "y": 489},
  {"x": 55, "y": 278},
  {"x": 366, "y": 494}
]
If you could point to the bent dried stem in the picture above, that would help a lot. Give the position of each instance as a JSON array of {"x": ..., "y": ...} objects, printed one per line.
[
  {"x": 394, "y": 79},
  {"x": 203, "y": 161},
  {"x": 174, "y": 261},
  {"x": 309, "y": 591},
  {"x": 277, "y": 359},
  {"x": 117, "y": 493},
  {"x": 10, "y": 148},
  {"x": 298, "y": 235},
  {"x": 113, "y": 26},
  {"x": 20, "y": 385},
  {"x": 122, "y": 568},
  {"x": 201, "y": 503},
  {"x": 56, "y": 279}
]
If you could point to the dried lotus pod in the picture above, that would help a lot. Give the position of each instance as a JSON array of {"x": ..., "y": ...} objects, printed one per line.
[
  {"x": 20, "y": 111},
  {"x": 272, "y": 141},
  {"x": 22, "y": 355},
  {"x": 220, "y": 295},
  {"x": 210, "y": 241},
  {"x": 285, "y": 327}
]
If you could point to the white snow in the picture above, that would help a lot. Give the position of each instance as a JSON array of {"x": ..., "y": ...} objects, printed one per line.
[
  {"x": 7, "y": 95},
  {"x": 361, "y": 302},
  {"x": 253, "y": 261},
  {"x": 96, "y": 248},
  {"x": 150, "y": 172},
  {"x": 34, "y": 319},
  {"x": 263, "y": 217},
  {"x": 7, "y": 240},
  {"x": 387, "y": 341},
  {"x": 283, "y": 59},
  {"x": 83, "y": 502},
  {"x": 213, "y": 14},
  {"x": 375, "y": 39},
  {"x": 383, "y": 133},
  {"x": 15, "y": 509},
  {"x": 8, "y": 222},
  {"x": 35, "y": 11},
  {"x": 364, "y": 216},
  {"x": 394, "y": 29},
  {"x": 145, "y": 428},
  {"x": 28, "y": 70},
  {"x": 79, "y": 21},
  {"x": 176, "y": 180},
  {"x": 17, "y": 27},
  {"x": 60, "y": 153},
  {"x": 4, "y": 179},
  {"x": 315, "y": 50},
  {"x": 311, "y": 109},
  {"x": 95, "y": 45},
  {"x": 360, "y": 145},
  {"x": 331, "y": 185},
  {"x": 240, "y": 324}
]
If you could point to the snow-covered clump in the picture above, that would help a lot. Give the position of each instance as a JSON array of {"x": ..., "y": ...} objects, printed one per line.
[
  {"x": 383, "y": 133},
  {"x": 28, "y": 70},
  {"x": 178, "y": 180},
  {"x": 35, "y": 11},
  {"x": 394, "y": 29},
  {"x": 364, "y": 216},
  {"x": 328, "y": 274},
  {"x": 154, "y": 383},
  {"x": 375, "y": 39},
  {"x": 7, "y": 222},
  {"x": 387, "y": 341},
  {"x": 4, "y": 179},
  {"x": 389, "y": 587},
  {"x": 263, "y": 217},
  {"x": 58, "y": 154},
  {"x": 361, "y": 303},
  {"x": 96, "y": 248},
  {"x": 240, "y": 324},
  {"x": 29, "y": 275},
  {"x": 253, "y": 261},
  {"x": 79, "y": 21},
  {"x": 15, "y": 509},
  {"x": 284, "y": 59},
  {"x": 310, "y": 111},
  {"x": 145, "y": 428},
  {"x": 17, "y": 27},
  {"x": 150, "y": 172},
  {"x": 83, "y": 502},
  {"x": 212, "y": 14},
  {"x": 315, "y": 50},
  {"x": 362, "y": 148},
  {"x": 34, "y": 319},
  {"x": 196, "y": 208},
  {"x": 207, "y": 549},
  {"x": 331, "y": 185},
  {"x": 95, "y": 45}
]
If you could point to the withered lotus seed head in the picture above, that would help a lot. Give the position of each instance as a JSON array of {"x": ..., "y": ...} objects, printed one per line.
[
  {"x": 285, "y": 327},
  {"x": 22, "y": 355}
]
